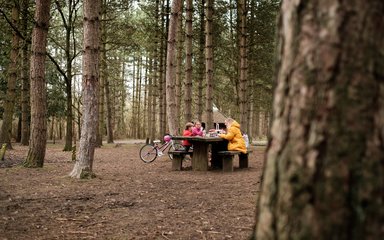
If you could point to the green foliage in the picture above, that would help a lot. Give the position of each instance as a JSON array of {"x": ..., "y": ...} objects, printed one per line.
[{"x": 56, "y": 99}]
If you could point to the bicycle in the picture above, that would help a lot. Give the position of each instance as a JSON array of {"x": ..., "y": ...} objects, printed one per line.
[{"x": 149, "y": 152}]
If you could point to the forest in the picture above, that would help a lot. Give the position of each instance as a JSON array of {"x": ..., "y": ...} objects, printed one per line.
[
  {"x": 133, "y": 52},
  {"x": 304, "y": 75}
]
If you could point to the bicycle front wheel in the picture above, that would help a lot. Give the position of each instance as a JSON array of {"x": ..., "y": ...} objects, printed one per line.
[{"x": 148, "y": 153}]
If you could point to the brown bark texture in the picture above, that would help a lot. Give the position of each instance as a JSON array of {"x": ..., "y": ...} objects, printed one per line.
[
  {"x": 9, "y": 101},
  {"x": 38, "y": 140},
  {"x": 324, "y": 168},
  {"x": 171, "y": 67},
  {"x": 24, "y": 76},
  {"x": 209, "y": 63},
  {"x": 188, "y": 63},
  {"x": 243, "y": 62},
  {"x": 84, "y": 162}
]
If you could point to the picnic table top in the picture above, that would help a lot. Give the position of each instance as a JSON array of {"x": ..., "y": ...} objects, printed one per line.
[{"x": 198, "y": 138}]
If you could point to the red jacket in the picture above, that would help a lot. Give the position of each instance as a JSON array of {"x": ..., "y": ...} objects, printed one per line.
[{"x": 185, "y": 142}]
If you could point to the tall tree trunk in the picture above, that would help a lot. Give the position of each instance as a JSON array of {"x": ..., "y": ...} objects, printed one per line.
[
  {"x": 83, "y": 165},
  {"x": 324, "y": 171},
  {"x": 9, "y": 101},
  {"x": 170, "y": 74},
  {"x": 179, "y": 67},
  {"x": 162, "y": 68},
  {"x": 102, "y": 75},
  {"x": 150, "y": 99},
  {"x": 243, "y": 66},
  {"x": 109, "y": 108},
  {"x": 38, "y": 142},
  {"x": 138, "y": 97},
  {"x": 25, "y": 106},
  {"x": 133, "y": 118},
  {"x": 156, "y": 70},
  {"x": 188, "y": 64},
  {"x": 209, "y": 63},
  {"x": 201, "y": 64}
]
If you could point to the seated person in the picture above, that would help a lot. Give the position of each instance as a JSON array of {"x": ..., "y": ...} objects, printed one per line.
[
  {"x": 187, "y": 132},
  {"x": 197, "y": 129},
  {"x": 235, "y": 138}
]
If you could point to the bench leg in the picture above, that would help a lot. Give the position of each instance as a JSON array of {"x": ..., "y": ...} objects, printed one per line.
[
  {"x": 243, "y": 160},
  {"x": 177, "y": 162},
  {"x": 227, "y": 163}
]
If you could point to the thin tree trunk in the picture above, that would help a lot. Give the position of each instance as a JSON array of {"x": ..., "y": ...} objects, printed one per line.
[
  {"x": 324, "y": 171},
  {"x": 9, "y": 101},
  {"x": 209, "y": 63},
  {"x": 179, "y": 77},
  {"x": 109, "y": 108},
  {"x": 38, "y": 142},
  {"x": 188, "y": 64},
  {"x": 201, "y": 67},
  {"x": 138, "y": 97},
  {"x": 84, "y": 163},
  {"x": 149, "y": 100},
  {"x": 25, "y": 87},
  {"x": 243, "y": 65}
]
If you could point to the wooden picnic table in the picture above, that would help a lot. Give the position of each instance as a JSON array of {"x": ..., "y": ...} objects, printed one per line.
[{"x": 201, "y": 145}]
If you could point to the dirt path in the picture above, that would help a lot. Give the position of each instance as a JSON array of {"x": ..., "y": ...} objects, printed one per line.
[{"x": 127, "y": 200}]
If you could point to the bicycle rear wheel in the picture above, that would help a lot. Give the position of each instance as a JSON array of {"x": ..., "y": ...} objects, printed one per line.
[
  {"x": 174, "y": 147},
  {"x": 148, "y": 153}
]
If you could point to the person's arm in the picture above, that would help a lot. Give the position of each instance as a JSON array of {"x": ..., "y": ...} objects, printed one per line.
[
  {"x": 197, "y": 132},
  {"x": 229, "y": 135}
]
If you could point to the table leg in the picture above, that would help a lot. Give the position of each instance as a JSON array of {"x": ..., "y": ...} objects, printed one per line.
[
  {"x": 216, "y": 160},
  {"x": 200, "y": 156}
]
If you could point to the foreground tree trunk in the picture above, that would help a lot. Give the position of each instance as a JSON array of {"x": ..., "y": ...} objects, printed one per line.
[
  {"x": 324, "y": 169},
  {"x": 38, "y": 142},
  {"x": 84, "y": 162},
  {"x": 171, "y": 66}
]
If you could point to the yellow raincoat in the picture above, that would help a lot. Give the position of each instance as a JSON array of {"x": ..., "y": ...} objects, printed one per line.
[{"x": 235, "y": 139}]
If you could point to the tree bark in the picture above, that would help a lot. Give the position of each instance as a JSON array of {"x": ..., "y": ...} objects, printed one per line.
[
  {"x": 324, "y": 171},
  {"x": 25, "y": 86},
  {"x": 243, "y": 65},
  {"x": 209, "y": 63},
  {"x": 38, "y": 142},
  {"x": 9, "y": 101},
  {"x": 188, "y": 63},
  {"x": 201, "y": 64},
  {"x": 83, "y": 165},
  {"x": 170, "y": 73}
]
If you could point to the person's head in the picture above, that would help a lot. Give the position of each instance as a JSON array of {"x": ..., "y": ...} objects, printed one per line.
[
  {"x": 188, "y": 126},
  {"x": 197, "y": 124},
  {"x": 228, "y": 122}
]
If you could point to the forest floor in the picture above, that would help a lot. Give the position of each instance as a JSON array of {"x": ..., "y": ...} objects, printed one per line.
[{"x": 128, "y": 199}]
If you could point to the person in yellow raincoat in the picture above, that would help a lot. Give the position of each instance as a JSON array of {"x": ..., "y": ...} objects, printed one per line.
[{"x": 235, "y": 139}]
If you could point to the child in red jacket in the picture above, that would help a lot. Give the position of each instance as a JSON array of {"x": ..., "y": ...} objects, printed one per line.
[{"x": 187, "y": 132}]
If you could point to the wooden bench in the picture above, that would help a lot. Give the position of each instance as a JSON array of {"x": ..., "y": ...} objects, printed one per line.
[
  {"x": 177, "y": 158},
  {"x": 228, "y": 156}
]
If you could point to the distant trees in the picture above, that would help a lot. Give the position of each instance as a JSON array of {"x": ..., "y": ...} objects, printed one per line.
[
  {"x": 324, "y": 172},
  {"x": 133, "y": 54}
]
